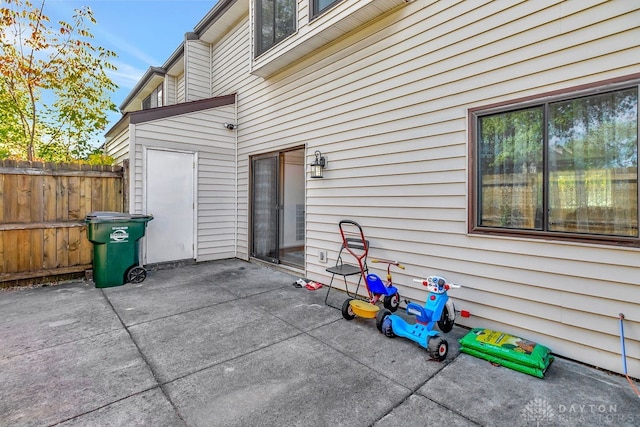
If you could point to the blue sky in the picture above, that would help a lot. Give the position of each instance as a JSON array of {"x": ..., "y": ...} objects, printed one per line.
[{"x": 142, "y": 33}]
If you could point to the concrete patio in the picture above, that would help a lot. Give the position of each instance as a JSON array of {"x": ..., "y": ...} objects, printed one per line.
[{"x": 231, "y": 343}]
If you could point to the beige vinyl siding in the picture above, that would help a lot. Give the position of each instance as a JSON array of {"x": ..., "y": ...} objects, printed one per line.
[
  {"x": 304, "y": 14},
  {"x": 180, "y": 89},
  {"x": 198, "y": 70},
  {"x": 388, "y": 106},
  {"x": 216, "y": 204},
  {"x": 118, "y": 146},
  {"x": 170, "y": 90},
  {"x": 230, "y": 62},
  {"x": 200, "y": 132},
  {"x": 136, "y": 185},
  {"x": 230, "y": 69}
]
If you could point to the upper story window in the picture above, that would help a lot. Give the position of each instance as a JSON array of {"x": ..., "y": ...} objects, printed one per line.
[
  {"x": 562, "y": 168},
  {"x": 275, "y": 20},
  {"x": 154, "y": 99},
  {"x": 319, "y": 6}
]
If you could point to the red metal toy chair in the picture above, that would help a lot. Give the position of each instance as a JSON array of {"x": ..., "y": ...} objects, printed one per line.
[{"x": 355, "y": 249}]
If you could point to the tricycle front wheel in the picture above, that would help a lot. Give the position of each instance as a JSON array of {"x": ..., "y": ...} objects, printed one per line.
[
  {"x": 392, "y": 302},
  {"x": 347, "y": 311},
  {"x": 445, "y": 324}
]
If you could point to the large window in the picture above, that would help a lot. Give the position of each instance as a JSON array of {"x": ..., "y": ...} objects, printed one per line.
[
  {"x": 275, "y": 20},
  {"x": 564, "y": 167},
  {"x": 319, "y": 6}
]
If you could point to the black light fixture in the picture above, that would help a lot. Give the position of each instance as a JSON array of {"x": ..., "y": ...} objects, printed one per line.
[{"x": 318, "y": 165}]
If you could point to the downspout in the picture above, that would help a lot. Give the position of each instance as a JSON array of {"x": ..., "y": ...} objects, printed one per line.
[
  {"x": 211, "y": 70},
  {"x": 235, "y": 203},
  {"x": 132, "y": 168},
  {"x": 187, "y": 98}
]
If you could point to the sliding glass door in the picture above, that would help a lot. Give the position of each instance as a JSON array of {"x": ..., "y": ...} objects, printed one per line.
[
  {"x": 265, "y": 208},
  {"x": 277, "y": 207}
]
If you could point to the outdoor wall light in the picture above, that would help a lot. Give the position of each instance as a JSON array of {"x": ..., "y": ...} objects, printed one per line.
[
  {"x": 230, "y": 126},
  {"x": 318, "y": 165}
]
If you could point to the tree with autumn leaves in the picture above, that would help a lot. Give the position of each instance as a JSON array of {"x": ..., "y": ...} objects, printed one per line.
[{"x": 54, "y": 88}]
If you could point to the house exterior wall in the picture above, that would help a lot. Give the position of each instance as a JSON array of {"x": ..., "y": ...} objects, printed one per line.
[
  {"x": 170, "y": 90},
  {"x": 230, "y": 59},
  {"x": 230, "y": 67},
  {"x": 388, "y": 105},
  {"x": 198, "y": 70},
  {"x": 180, "y": 97},
  {"x": 200, "y": 132},
  {"x": 118, "y": 146}
]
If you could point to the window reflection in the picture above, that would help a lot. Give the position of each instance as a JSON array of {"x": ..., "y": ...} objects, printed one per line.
[{"x": 569, "y": 166}]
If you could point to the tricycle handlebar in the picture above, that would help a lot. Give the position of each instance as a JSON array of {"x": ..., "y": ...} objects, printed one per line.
[
  {"x": 386, "y": 261},
  {"x": 436, "y": 281}
]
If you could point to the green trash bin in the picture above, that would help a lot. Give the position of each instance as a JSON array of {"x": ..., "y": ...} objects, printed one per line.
[{"x": 115, "y": 237}]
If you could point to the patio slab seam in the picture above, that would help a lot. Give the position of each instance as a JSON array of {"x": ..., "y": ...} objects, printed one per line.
[
  {"x": 177, "y": 313},
  {"x": 449, "y": 408},
  {"x": 347, "y": 355},
  {"x": 106, "y": 405},
  {"x": 204, "y": 307},
  {"x": 266, "y": 291},
  {"x": 53, "y": 346},
  {"x": 231, "y": 359},
  {"x": 417, "y": 393},
  {"x": 146, "y": 361}
]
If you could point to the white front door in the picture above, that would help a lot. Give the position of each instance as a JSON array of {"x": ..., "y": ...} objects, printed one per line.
[{"x": 170, "y": 199}]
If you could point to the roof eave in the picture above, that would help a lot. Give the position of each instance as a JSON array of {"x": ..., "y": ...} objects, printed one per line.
[
  {"x": 214, "y": 14},
  {"x": 151, "y": 72},
  {"x": 175, "y": 57}
]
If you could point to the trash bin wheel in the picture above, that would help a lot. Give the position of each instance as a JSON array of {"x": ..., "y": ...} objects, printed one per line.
[{"x": 136, "y": 274}]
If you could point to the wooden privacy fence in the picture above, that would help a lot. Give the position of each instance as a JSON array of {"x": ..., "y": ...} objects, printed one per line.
[{"x": 42, "y": 212}]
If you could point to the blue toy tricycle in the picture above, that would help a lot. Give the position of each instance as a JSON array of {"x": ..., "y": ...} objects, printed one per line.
[{"x": 438, "y": 308}]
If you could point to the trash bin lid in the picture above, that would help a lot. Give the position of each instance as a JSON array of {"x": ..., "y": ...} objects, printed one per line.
[{"x": 105, "y": 216}]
